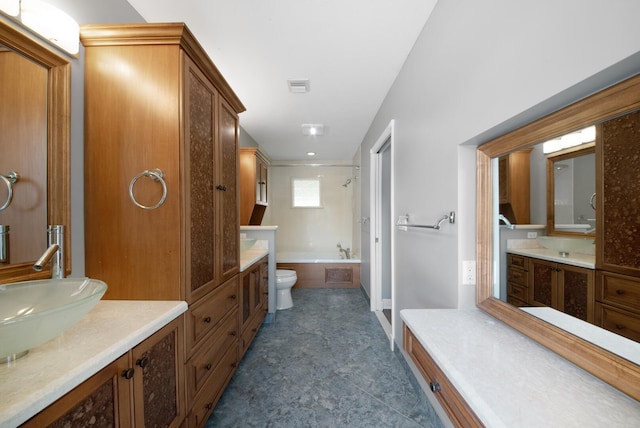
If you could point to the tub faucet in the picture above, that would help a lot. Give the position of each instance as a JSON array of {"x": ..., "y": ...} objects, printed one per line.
[
  {"x": 347, "y": 251},
  {"x": 53, "y": 253}
]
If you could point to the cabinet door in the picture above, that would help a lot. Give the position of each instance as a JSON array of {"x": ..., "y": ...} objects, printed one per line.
[
  {"x": 200, "y": 100},
  {"x": 228, "y": 179},
  {"x": 543, "y": 288},
  {"x": 618, "y": 218},
  {"x": 576, "y": 292},
  {"x": 262, "y": 182},
  {"x": 103, "y": 400},
  {"x": 159, "y": 390}
]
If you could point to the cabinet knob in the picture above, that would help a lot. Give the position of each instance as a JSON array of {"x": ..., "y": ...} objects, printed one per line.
[
  {"x": 143, "y": 362},
  {"x": 619, "y": 326},
  {"x": 128, "y": 373},
  {"x": 221, "y": 187},
  {"x": 209, "y": 406},
  {"x": 434, "y": 386},
  {"x": 207, "y": 320},
  {"x": 208, "y": 366},
  {"x": 619, "y": 292},
  {"x": 233, "y": 297},
  {"x": 233, "y": 333}
]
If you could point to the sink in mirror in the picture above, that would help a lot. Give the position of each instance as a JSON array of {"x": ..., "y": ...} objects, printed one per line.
[
  {"x": 246, "y": 243},
  {"x": 564, "y": 246},
  {"x": 35, "y": 92},
  {"x": 34, "y": 312}
]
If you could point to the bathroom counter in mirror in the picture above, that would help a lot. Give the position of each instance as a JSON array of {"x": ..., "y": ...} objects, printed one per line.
[
  {"x": 49, "y": 371},
  {"x": 509, "y": 380},
  {"x": 249, "y": 257},
  {"x": 575, "y": 259}
]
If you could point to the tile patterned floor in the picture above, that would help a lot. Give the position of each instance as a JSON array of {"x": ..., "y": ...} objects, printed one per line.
[{"x": 325, "y": 362}]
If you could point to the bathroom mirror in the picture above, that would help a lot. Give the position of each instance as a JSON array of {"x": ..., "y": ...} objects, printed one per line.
[
  {"x": 35, "y": 144},
  {"x": 571, "y": 192},
  {"x": 607, "y": 104}
]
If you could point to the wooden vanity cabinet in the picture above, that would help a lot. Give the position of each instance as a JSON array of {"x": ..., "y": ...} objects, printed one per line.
[
  {"x": 567, "y": 288},
  {"x": 458, "y": 411},
  {"x": 618, "y": 304},
  {"x": 253, "y": 302},
  {"x": 161, "y": 187},
  {"x": 517, "y": 280},
  {"x": 142, "y": 388},
  {"x": 254, "y": 180}
]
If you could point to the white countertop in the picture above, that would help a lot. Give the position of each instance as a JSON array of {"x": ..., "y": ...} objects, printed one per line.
[
  {"x": 511, "y": 381},
  {"x": 250, "y": 256},
  {"x": 49, "y": 371},
  {"x": 575, "y": 259}
]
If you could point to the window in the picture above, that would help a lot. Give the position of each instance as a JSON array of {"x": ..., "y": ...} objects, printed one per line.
[{"x": 305, "y": 193}]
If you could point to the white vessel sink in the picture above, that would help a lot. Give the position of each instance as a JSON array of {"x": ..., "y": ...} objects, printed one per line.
[
  {"x": 33, "y": 312},
  {"x": 564, "y": 246},
  {"x": 246, "y": 243}
]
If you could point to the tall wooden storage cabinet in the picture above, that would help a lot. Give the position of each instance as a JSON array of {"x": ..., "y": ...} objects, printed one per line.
[{"x": 161, "y": 187}]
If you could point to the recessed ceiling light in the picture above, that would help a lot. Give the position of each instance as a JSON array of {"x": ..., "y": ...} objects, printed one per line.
[
  {"x": 299, "y": 86},
  {"x": 311, "y": 153},
  {"x": 312, "y": 129}
]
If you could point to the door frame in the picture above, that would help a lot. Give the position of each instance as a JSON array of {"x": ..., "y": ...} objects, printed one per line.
[{"x": 376, "y": 227}]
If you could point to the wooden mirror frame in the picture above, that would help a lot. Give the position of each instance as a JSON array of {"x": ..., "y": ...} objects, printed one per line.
[
  {"x": 58, "y": 144},
  {"x": 551, "y": 158},
  {"x": 611, "y": 102}
]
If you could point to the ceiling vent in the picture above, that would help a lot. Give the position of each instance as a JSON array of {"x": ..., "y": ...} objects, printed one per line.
[
  {"x": 312, "y": 129},
  {"x": 298, "y": 86}
]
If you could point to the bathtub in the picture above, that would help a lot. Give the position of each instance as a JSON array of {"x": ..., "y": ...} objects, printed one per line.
[{"x": 321, "y": 270}]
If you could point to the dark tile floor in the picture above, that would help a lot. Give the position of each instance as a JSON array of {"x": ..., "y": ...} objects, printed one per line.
[{"x": 326, "y": 362}]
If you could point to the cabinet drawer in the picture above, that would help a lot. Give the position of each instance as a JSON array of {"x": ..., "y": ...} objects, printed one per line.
[
  {"x": 517, "y": 291},
  {"x": 211, "y": 391},
  {"x": 619, "y": 290},
  {"x": 619, "y": 321},
  {"x": 517, "y": 276},
  {"x": 516, "y": 260},
  {"x": 207, "y": 313},
  {"x": 452, "y": 402},
  {"x": 251, "y": 330},
  {"x": 205, "y": 360}
]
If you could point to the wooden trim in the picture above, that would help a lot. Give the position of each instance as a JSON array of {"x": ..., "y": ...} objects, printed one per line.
[
  {"x": 613, "y": 101},
  {"x": 160, "y": 34}
]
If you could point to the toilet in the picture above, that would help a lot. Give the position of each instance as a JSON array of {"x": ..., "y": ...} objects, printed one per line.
[{"x": 285, "y": 280}]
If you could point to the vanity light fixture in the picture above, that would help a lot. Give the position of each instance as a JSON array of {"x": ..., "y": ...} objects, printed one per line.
[
  {"x": 45, "y": 20},
  {"x": 311, "y": 153},
  {"x": 583, "y": 136},
  {"x": 312, "y": 129}
]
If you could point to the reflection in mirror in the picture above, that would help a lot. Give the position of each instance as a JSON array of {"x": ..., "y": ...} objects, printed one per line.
[
  {"x": 23, "y": 145},
  {"x": 599, "y": 289},
  {"x": 34, "y": 144}
]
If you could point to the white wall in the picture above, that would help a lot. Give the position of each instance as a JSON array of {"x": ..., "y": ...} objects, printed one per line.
[
  {"x": 478, "y": 68},
  {"x": 313, "y": 229}
]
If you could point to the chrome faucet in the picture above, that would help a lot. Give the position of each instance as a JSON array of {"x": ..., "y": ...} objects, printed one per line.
[
  {"x": 506, "y": 221},
  {"x": 347, "y": 251},
  {"x": 53, "y": 253}
]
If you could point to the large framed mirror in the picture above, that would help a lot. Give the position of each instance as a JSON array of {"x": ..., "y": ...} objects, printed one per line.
[
  {"x": 34, "y": 143},
  {"x": 604, "y": 109}
]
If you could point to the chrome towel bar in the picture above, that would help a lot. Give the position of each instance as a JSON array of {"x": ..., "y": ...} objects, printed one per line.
[{"x": 451, "y": 217}]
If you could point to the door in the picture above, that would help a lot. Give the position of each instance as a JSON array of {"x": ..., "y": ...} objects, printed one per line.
[{"x": 382, "y": 284}]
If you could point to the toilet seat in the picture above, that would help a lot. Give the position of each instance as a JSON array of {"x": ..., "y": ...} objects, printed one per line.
[{"x": 285, "y": 273}]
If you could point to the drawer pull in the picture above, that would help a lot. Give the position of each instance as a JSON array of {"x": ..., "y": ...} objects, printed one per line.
[
  {"x": 619, "y": 292},
  {"x": 143, "y": 362},
  {"x": 128, "y": 373},
  {"x": 207, "y": 320},
  {"x": 233, "y": 365},
  {"x": 221, "y": 187},
  {"x": 209, "y": 406},
  {"x": 233, "y": 297},
  {"x": 434, "y": 386},
  {"x": 619, "y": 326},
  {"x": 232, "y": 333},
  {"x": 208, "y": 366}
]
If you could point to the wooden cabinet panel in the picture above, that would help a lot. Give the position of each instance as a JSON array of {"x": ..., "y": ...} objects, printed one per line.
[
  {"x": 576, "y": 291},
  {"x": 452, "y": 402},
  {"x": 618, "y": 304},
  {"x": 228, "y": 170},
  {"x": 515, "y": 186},
  {"x": 254, "y": 184},
  {"x": 620, "y": 321},
  {"x": 253, "y": 301},
  {"x": 102, "y": 400},
  {"x": 618, "y": 217},
  {"x": 543, "y": 284}
]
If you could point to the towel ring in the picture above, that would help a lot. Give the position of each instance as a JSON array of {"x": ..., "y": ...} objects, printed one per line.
[
  {"x": 156, "y": 175},
  {"x": 592, "y": 201},
  {"x": 9, "y": 181}
]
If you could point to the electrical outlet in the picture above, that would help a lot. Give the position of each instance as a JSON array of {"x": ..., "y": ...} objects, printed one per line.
[
  {"x": 469, "y": 272},
  {"x": 532, "y": 235}
]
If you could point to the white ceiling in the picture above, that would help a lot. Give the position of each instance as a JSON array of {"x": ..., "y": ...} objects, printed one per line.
[{"x": 351, "y": 50}]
